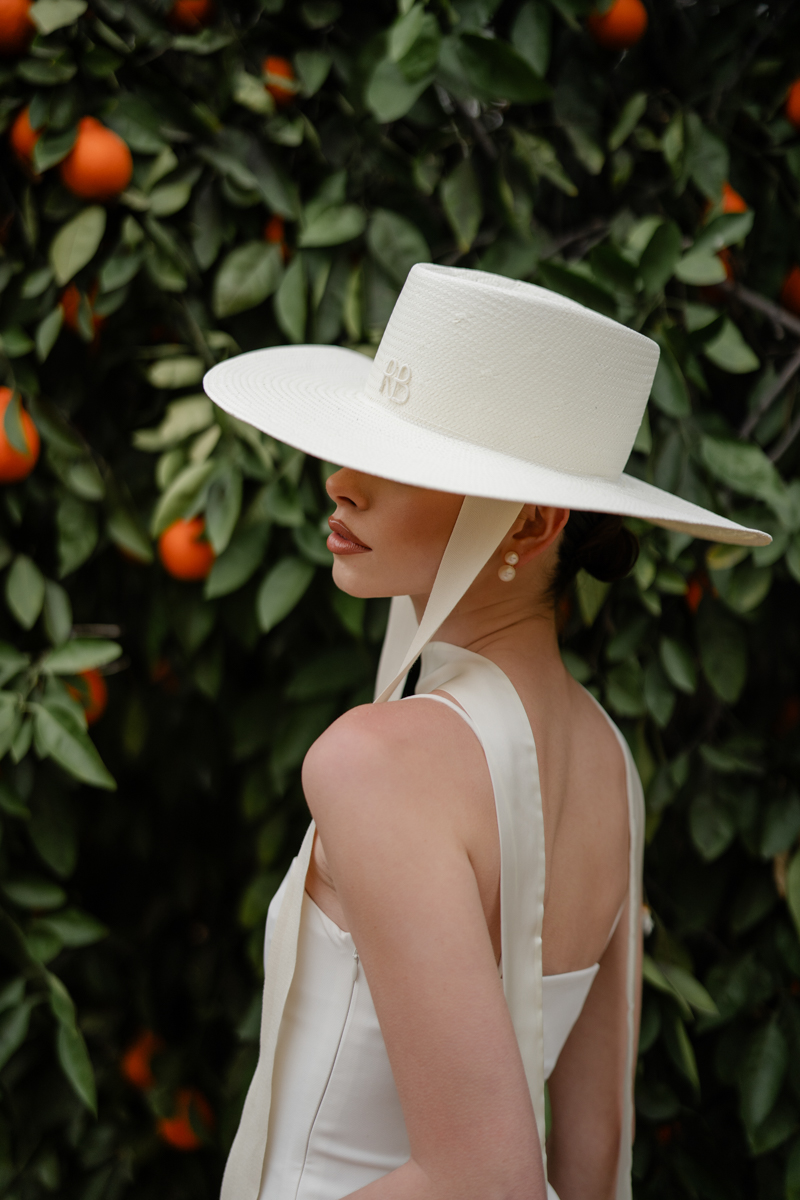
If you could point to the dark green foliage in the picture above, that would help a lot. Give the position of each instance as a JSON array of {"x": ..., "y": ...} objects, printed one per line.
[{"x": 492, "y": 135}]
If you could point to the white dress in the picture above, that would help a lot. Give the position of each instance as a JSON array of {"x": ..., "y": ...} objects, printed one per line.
[{"x": 335, "y": 1120}]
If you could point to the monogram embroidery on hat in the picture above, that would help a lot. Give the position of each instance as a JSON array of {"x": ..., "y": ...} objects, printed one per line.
[{"x": 396, "y": 381}]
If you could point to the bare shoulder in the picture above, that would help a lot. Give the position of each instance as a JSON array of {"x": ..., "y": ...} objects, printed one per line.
[{"x": 376, "y": 752}]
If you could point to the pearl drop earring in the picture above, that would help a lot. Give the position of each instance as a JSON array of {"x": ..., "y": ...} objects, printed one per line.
[{"x": 508, "y": 573}]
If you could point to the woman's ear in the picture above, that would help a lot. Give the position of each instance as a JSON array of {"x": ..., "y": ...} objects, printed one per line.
[{"x": 537, "y": 528}]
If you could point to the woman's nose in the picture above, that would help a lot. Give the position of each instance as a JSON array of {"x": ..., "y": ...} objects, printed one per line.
[{"x": 345, "y": 486}]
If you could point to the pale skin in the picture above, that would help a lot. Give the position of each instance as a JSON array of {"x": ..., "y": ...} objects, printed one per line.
[{"x": 407, "y": 859}]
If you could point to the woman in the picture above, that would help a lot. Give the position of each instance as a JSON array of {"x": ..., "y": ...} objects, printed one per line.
[{"x": 463, "y": 919}]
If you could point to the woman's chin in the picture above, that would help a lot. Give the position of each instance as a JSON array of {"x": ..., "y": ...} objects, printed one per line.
[{"x": 351, "y": 578}]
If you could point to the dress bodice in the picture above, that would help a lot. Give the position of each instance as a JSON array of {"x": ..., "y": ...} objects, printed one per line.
[{"x": 335, "y": 1120}]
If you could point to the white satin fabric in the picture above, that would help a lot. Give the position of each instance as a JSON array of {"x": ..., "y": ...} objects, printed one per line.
[{"x": 335, "y": 1121}]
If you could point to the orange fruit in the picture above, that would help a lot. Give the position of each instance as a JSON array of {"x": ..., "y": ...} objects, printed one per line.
[
  {"x": 15, "y": 465},
  {"x": 792, "y": 109},
  {"x": 790, "y": 292},
  {"x": 184, "y": 550},
  {"x": 274, "y": 233},
  {"x": 136, "y": 1064},
  {"x": 694, "y": 594},
  {"x": 178, "y": 1130},
  {"x": 70, "y": 304},
  {"x": 190, "y": 15},
  {"x": 275, "y": 69},
  {"x": 16, "y": 28},
  {"x": 99, "y": 166},
  {"x": 92, "y": 693},
  {"x": 621, "y": 26},
  {"x": 732, "y": 202},
  {"x": 23, "y": 137}
]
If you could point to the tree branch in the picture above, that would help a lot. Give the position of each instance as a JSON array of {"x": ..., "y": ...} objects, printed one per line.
[
  {"x": 791, "y": 368},
  {"x": 752, "y": 300}
]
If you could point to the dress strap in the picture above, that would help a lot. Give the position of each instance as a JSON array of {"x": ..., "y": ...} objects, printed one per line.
[{"x": 485, "y": 696}]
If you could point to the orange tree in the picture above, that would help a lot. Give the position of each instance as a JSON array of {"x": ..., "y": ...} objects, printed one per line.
[{"x": 181, "y": 183}]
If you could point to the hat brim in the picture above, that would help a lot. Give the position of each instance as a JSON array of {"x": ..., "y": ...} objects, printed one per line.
[{"x": 312, "y": 398}]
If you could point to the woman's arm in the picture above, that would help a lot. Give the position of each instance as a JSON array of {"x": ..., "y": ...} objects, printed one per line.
[
  {"x": 398, "y": 793},
  {"x": 587, "y": 1085}
]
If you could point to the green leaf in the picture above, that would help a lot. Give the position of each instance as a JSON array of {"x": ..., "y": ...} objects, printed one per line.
[
  {"x": 624, "y": 689},
  {"x": 76, "y": 243},
  {"x": 76, "y": 522},
  {"x": 25, "y": 591},
  {"x": 182, "y": 418},
  {"x": 312, "y": 68},
  {"x": 742, "y": 466},
  {"x": 81, "y": 654},
  {"x": 689, "y": 988},
  {"x": 70, "y": 1046},
  {"x": 75, "y": 928},
  {"x": 124, "y": 530},
  {"x": 223, "y": 505},
  {"x": 12, "y": 661},
  {"x": 34, "y": 892},
  {"x": 762, "y": 1073},
  {"x": 291, "y": 301},
  {"x": 669, "y": 389},
  {"x": 47, "y": 332},
  {"x": 396, "y": 244},
  {"x": 246, "y": 277},
  {"x": 282, "y": 588},
  {"x": 680, "y": 1048},
  {"x": 49, "y": 15},
  {"x": 238, "y": 562},
  {"x": 539, "y": 157},
  {"x": 14, "y": 1029},
  {"x": 462, "y": 203},
  {"x": 51, "y": 148},
  {"x": 497, "y": 72},
  {"x": 575, "y": 285},
  {"x": 678, "y": 665},
  {"x": 723, "y": 651},
  {"x": 591, "y": 596},
  {"x": 712, "y": 826},
  {"x": 180, "y": 494},
  {"x": 725, "y": 230},
  {"x": 531, "y": 35},
  {"x": 628, "y": 120},
  {"x": 177, "y": 372},
  {"x": 730, "y": 352},
  {"x": 390, "y": 94},
  {"x": 57, "y": 612},
  {"x": 659, "y": 696},
  {"x": 781, "y": 825},
  {"x": 708, "y": 160},
  {"x": 70, "y": 747},
  {"x": 659, "y": 257},
  {"x": 333, "y": 226},
  {"x": 700, "y": 268}
]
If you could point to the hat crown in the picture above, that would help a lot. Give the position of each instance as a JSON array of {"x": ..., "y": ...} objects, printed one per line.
[{"x": 514, "y": 368}]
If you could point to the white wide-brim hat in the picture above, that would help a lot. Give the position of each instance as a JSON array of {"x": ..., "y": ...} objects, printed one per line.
[{"x": 481, "y": 386}]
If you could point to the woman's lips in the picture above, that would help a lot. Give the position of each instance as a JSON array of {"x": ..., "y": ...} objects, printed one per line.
[{"x": 342, "y": 541}]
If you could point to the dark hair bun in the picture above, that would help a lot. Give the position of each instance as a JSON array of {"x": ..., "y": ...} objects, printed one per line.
[{"x": 598, "y": 543}]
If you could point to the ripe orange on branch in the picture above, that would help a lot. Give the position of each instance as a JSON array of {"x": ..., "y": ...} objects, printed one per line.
[
  {"x": 790, "y": 291},
  {"x": 792, "y": 108},
  {"x": 136, "y": 1064},
  {"x": 184, "y": 550},
  {"x": 621, "y": 26},
  {"x": 191, "y": 1109},
  {"x": 23, "y": 137},
  {"x": 274, "y": 233},
  {"x": 17, "y": 30},
  {"x": 191, "y": 15},
  {"x": 99, "y": 166},
  {"x": 92, "y": 693},
  {"x": 70, "y": 304},
  {"x": 732, "y": 202},
  {"x": 277, "y": 69},
  {"x": 15, "y": 464}
]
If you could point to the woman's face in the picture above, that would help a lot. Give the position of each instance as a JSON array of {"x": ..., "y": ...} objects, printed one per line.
[{"x": 387, "y": 538}]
